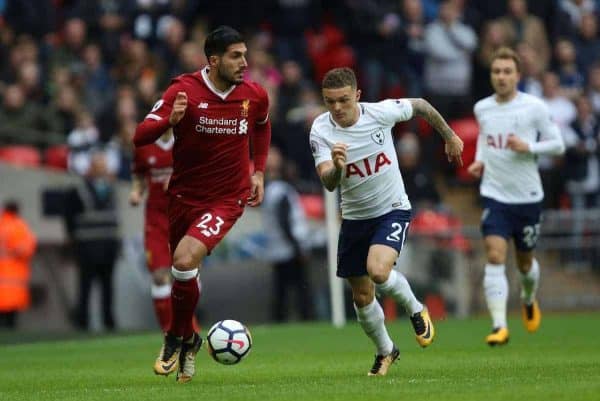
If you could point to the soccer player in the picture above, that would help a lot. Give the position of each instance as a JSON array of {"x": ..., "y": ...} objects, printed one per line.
[
  {"x": 507, "y": 148},
  {"x": 353, "y": 148},
  {"x": 214, "y": 113},
  {"x": 152, "y": 167}
]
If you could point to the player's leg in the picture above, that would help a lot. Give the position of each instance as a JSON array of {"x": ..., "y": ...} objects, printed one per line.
[
  {"x": 392, "y": 283},
  {"x": 386, "y": 244},
  {"x": 527, "y": 228},
  {"x": 529, "y": 270},
  {"x": 187, "y": 258},
  {"x": 372, "y": 320},
  {"x": 161, "y": 296},
  {"x": 495, "y": 287}
]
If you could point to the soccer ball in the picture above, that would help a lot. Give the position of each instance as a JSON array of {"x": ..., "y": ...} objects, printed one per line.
[{"x": 229, "y": 342}]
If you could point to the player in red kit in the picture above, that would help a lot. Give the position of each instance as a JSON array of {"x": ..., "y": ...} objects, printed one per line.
[
  {"x": 215, "y": 115},
  {"x": 152, "y": 168}
]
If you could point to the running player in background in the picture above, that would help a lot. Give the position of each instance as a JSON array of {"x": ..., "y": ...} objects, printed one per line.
[
  {"x": 214, "y": 114},
  {"x": 353, "y": 148},
  {"x": 152, "y": 168},
  {"x": 506, "y": 159}
]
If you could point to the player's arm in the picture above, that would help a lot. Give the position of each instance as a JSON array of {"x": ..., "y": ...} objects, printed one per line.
[
  {"x": 138, "y": 186},
  {"x": 330, "y": 171},
  {"x": 454, "y": 145},
  {"x": 261, "y": 140},
  {"x": 166, "y": 113},
  {"x": 551, "y": 141}
]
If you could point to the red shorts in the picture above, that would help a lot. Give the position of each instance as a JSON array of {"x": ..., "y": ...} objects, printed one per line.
[
  {"x": 156, "y": 239},
  {"x": 208, "y": 223}
]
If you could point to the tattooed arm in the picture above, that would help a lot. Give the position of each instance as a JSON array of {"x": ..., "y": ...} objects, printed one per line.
[
  {"x": 330, "y": 172},
  {"x": 454, "y": 145}
]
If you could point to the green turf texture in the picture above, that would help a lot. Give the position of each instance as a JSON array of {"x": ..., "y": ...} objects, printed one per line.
[{"x": 318, "y": 362}]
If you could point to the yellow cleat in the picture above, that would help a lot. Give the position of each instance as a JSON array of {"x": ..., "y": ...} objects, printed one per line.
[
  {"x": 499, "y": 336},
  {"x": 187, "y": 359},
  {"x": 168, "y": 358},
  {"x": 423, "y": 326},
  {"x": 383, "y": 362},
  {"x": 532, "y": 316}
]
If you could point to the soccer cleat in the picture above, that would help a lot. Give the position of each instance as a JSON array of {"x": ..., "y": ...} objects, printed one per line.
[
  {"x": 532, "y": 316},
  {"x": 499, "y": 336},
  {"x": 168, "y": 358},
  {"x": 382, "y": 363},
  {"x": 423, "y": 326},
  {"x": 187, "y": 359}
]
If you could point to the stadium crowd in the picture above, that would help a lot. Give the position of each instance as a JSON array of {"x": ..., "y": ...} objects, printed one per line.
[{"x": 79, "y": 74}]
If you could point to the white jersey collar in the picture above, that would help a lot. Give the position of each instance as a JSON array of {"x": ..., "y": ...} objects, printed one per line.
[{"x": 213, "y": 89}]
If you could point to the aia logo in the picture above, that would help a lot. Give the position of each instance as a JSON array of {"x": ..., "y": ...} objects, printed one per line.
[
  {"x": 245, "y": 107},
  {"x": 365, "y": 168},
  {"x": 497, "y": 141},
  {"x": 378, "y": 137}
]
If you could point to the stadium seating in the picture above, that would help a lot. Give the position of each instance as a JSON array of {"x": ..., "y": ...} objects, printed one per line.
[
  {"x": 55, "y": 157},
  {"x": 468, "y": 130},
  {"x": 21, "y": 155}
]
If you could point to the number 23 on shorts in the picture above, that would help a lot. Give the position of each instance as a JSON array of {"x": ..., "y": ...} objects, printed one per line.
[{"x": 210, "y": 225}]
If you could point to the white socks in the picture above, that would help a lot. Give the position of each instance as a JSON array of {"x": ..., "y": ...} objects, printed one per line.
[
  {"x": 371, "y": 319},
  {"x": 530, "y": 282},
  {"x": 495, "y": 286},
  {"x": 398, "y": 288}
]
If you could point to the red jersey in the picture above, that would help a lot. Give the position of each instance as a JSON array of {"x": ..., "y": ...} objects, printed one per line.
[
  {"x": 154, "y": 163},
  {"x": 211, "y": 154}
]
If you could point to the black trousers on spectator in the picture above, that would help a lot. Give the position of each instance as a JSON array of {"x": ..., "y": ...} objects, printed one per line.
[
  {"x": 92, "y": 269},
  {"x": 291, "y": 275}
]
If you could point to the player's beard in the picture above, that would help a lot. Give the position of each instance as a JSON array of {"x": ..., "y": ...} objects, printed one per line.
[{"x": 228, "y": 77}]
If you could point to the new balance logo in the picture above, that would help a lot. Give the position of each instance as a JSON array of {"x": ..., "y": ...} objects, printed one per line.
[{"x": 203, "y": 105}]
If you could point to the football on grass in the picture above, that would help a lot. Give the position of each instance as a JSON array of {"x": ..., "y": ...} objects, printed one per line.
[{"x": 229, "y": 342}]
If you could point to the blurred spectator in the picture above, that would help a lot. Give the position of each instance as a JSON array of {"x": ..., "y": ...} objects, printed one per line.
[
  {"x": 67, "y": 53},
  {"x": 531, "y": 70},
  {"x": 449, "y": 44},
  {"x": 287, "y": 238},
  {"x": 519, "y": 26},
  {"x": 570, "y": 77},
  {"x": 292, "y": 82},
  {"x": 98, "y": 85},
  {"x": 172, "y": 37},
  {"x": 33, "y": 17},
  {"x": 17, "y": 246},
  {"x": 593, "y": 89},
  {"x": 492, "y": 38},
  {"x": 582, "y": 166},
  {"x": 26, "y": 123},
  {"x": 418, "y": 180},
  {"x": 563, "y": 113},
  {"x": 587, "y": 42},
  {"x": 413, "y": 33},
  {"x": 575, "y": 9},
  {"x": 93, "y": 227}
]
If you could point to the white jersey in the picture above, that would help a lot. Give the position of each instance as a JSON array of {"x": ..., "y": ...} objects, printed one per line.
[
  {"x": 371, "y": 184},
  {"x": 508, "y": 176}
]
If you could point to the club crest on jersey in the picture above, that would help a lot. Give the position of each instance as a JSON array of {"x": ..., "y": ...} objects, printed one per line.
[
  {"x": 245, "y": 107},
  {"x": 378, "y": 137}
]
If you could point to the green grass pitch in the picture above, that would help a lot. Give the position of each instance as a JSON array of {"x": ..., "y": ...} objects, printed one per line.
[{"x": 318, "y": 362}]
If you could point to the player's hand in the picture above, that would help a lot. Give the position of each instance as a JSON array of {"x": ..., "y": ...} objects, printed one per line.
[
  {"x": 179, "y": 106},
  {"x": 476, "y": 169},
  {"x": 516, "y": 144},
  {"x": 166, "y": 184},
  {"x": 257, "y": 189},
  {"x": 454, "y": 147},
  {"x": 135, "y": 198},
  {"x": 338, "y": 155}
]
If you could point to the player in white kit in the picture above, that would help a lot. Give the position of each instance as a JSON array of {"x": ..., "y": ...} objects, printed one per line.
[
  {"x": 353, "y": 148},
  {"x": 510, "y": 123}
]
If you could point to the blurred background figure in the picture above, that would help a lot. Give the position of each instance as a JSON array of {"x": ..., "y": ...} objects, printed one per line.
[
  {"x": 93, "y": 227},
  {"x": 287, "y": 234},
  {"x": 17, "y": 246}
]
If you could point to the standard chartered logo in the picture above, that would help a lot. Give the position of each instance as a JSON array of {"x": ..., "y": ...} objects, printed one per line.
[
  {"x": 222, "y": 126},
  {"x": 243, "y": 126}
]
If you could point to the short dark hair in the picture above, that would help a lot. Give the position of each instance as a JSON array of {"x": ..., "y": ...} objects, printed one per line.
[
  {"x": 339, "y": 78},
  {"x": 220, "y": 39},
  {"x": 11, "y": 206},
  {"x": 506, "y": 53}
]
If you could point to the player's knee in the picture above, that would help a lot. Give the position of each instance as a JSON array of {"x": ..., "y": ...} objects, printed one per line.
[
  {"x": 362, "y": 299},
  {"x": 496, "y": 256},
  {"x": 161, "y": 276},
  {"x": 185, "y": 261},
  {"x": 378, "y": 272}
]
